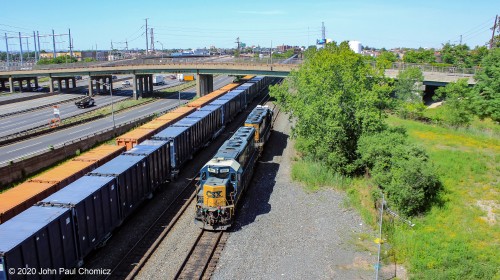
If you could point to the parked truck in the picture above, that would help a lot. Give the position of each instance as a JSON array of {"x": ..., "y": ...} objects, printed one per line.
[
  {"x": 185, "y": 77},
  {"x": 158, "y": 80}
]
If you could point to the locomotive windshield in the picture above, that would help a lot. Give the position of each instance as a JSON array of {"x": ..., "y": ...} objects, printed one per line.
[{"x": 221, "y": 173}]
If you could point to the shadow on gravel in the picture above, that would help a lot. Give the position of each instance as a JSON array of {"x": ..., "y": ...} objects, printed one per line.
[{"x": 256, "y": 200}]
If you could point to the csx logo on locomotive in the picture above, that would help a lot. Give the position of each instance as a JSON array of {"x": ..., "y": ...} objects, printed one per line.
[{"x": 214, "y": 194}]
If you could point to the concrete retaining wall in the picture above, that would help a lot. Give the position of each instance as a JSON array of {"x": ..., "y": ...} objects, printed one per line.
[{"x": 18, "y": 171}]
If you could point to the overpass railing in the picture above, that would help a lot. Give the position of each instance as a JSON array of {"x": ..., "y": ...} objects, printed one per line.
[
  {"x": 221, "y": 60},
  {"x": 435, "y": 69},
  {"x": 150, "y": 61}
]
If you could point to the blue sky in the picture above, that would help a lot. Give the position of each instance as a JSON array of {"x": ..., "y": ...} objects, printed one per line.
[{"x": 194, "y": 23}]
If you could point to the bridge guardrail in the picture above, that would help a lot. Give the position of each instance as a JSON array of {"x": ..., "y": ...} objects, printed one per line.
[{"x": 220, "y": 60}]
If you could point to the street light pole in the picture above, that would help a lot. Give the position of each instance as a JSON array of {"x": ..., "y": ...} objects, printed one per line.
[{"x": 161, "y": 48}]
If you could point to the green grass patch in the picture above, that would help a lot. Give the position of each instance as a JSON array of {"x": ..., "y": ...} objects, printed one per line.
[
  {"x": 315, "y": 175},
  {"x": 486, "y": 127},
  {"x": 460, "y": 238},
  {"x": 178, "y": 88}
]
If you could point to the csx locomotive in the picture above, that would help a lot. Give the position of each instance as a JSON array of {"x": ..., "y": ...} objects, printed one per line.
[{"x": 226, "y": 176}]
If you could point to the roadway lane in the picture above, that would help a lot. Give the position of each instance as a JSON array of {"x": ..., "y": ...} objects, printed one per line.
[
  {"x": 17, "y": 95},
  {"x": 32, "y": 104},
  {"x": 29, "y": 120},
  {"x": 33, "y": 119},
  {"x": 41, "y": 143}
]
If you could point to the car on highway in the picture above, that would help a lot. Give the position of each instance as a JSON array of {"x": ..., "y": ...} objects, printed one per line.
[
  {"x": 85, "y": 102},
  {"x": 126, "y": 84},
  {"x": 78, "y": 77}
]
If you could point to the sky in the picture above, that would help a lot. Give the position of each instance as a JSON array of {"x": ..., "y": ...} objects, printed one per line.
[{"x": 198, "y": 24}]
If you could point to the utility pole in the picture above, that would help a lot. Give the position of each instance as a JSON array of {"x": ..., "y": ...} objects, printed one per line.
[
  {"x": 7, "y": 48},
  {"x": 126, "y": 45},
  {"x": 460, "y": 39},
  {"x": 323, "y": 31},
  {"x": 21, "y": 47},
  {"x": 152, "y": 40},
  {"x": 53, "y": 44},
  {"x": 271, "y": 52},
  {"x": 28, "y": 47},
  {"x": 70, "y": 43},
  {"x": 238, "y": 43},
  {"x": 493, "y": 33},
  {"x": 146, "y": 36},
  {"x": 38, "y": 39},
  {"x": 34, "y": 43}
]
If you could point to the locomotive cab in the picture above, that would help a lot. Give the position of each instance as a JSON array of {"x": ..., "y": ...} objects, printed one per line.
[{"x": 217, "y": 193}]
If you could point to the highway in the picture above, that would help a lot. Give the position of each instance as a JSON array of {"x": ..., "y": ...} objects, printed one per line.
[
  {"x": 29, "y": 120},
  {"x": 41, "y": 143},
  {"x": 32, "y": 119},
  {"x": 13, "y": 108}
]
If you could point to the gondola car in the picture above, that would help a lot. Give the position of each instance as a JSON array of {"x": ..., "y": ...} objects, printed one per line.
[{"x": 66, "y": 226}]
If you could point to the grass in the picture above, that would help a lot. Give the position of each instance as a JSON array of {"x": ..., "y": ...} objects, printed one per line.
[
  {"x": 457, "y": 240},
  {"x": 485, "y": 127}
]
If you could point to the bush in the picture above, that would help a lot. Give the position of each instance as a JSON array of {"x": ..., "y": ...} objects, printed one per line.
[
  {"x": 457, "y": 106},
  {"x": 401, "y": 169},
  {"x": 411, "y": 110}
]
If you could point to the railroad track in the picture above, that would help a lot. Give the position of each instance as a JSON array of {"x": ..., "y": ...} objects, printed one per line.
[
  {"x": 138, "y": 255},
  {"x": 203, "y": 255}
]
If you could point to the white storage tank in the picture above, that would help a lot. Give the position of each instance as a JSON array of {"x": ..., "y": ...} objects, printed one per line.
[{"x": 355, "y": 46}]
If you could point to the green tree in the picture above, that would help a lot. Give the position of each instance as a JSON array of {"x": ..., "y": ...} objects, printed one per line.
[
  {"x": 419, "y": 56},
  {"x": 409, "y": 94},
  {"x": 334, "y": 97},
  {"x": 386, "y": 59},
  {"x": 487, "y": 89},
  {"x": 457, "y": 103}
]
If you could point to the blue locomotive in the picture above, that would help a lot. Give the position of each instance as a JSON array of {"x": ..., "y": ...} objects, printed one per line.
[{"x": 226, "y": 176}]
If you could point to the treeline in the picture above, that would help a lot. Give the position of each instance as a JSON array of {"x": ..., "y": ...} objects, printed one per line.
[
  {"x": 62, "y": 59},
  {"x": 450, "y": 55}
]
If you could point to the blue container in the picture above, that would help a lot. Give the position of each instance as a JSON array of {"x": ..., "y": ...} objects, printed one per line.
[
  {"x": 38, "y": 238},
  {"x": 181, "y": 149},
  {"x": 131, "y": 174},
  {"x": 95, "y": 208},
  {"x": 158, "y": 160},
  {"x": 219, "y": 108}
]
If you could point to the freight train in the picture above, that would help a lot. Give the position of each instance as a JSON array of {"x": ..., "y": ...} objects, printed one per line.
[
  {"x": 226, "y": 176},
  {"x": 62, "y": 229},
  {"x": 23, "y": 196}
]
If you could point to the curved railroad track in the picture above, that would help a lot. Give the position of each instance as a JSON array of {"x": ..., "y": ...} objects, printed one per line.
[{"x": 138, "y": 255}]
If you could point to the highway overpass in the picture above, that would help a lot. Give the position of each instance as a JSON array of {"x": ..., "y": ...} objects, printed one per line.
[{"x": 143, "y": 69}]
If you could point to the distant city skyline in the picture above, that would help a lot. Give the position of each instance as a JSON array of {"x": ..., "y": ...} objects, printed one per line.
[{"x": 196, "y": 24}]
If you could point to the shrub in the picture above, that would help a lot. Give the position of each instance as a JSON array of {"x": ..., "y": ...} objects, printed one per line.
[{"x": 401, "y": 169}]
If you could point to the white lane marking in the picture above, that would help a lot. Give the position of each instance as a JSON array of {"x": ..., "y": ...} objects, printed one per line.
[
  {"x": 80, "y": 130},
  {"x": 11, "y": 151}
]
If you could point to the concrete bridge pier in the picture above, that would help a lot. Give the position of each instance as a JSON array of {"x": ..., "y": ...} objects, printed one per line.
[
  {"x": 142, "y": 85},
  {"x": 11, "y": 84},
  {"x": 100, "y": 82},
  {"x": 204, "y": 84},
  {"x": 51, "y": 84}
]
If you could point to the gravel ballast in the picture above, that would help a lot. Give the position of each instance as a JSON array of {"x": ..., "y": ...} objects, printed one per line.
[{"x": 282, "y": 232}]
